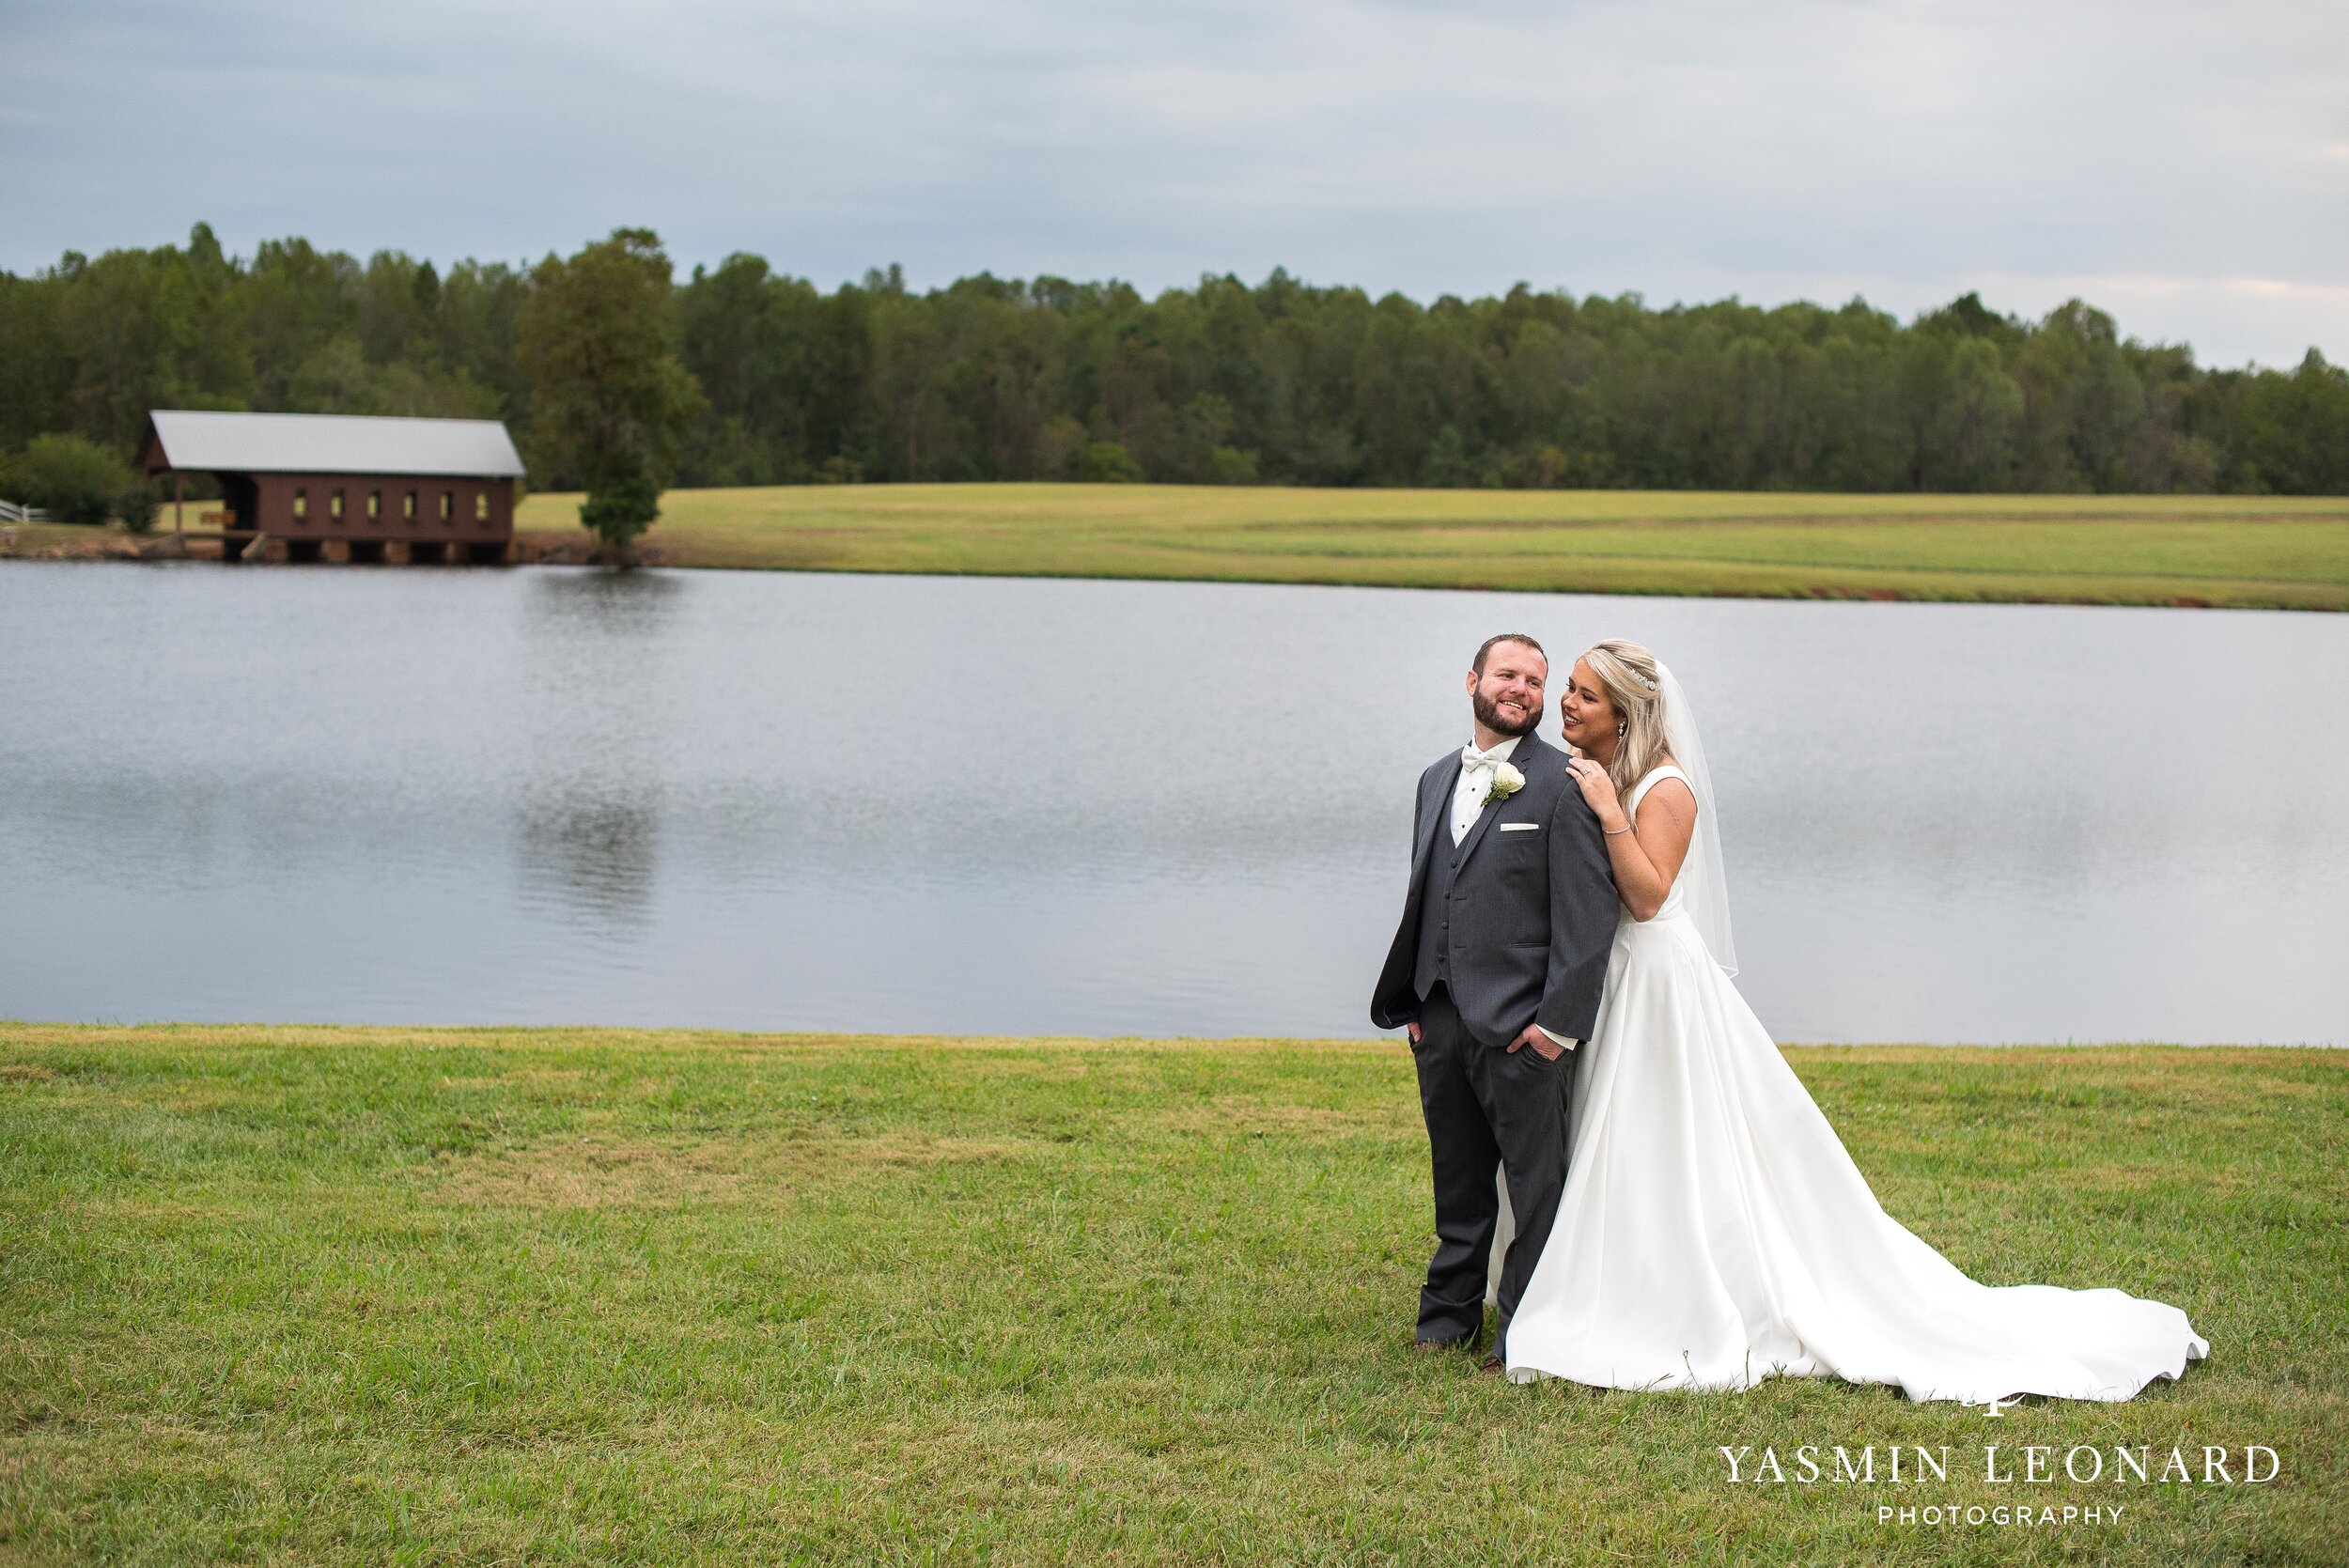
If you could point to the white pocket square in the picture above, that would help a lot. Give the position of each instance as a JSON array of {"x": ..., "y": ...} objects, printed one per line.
[{"x": 1520, "y": 827}]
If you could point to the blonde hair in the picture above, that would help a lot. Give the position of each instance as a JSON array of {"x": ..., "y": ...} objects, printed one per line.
[{"x": 1628, "y": 672}]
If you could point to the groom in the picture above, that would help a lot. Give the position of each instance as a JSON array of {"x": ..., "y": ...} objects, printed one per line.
[{"x": 1495, "y": 972}]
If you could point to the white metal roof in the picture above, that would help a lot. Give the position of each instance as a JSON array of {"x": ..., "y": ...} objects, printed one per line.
[{"x": 333, "y": 444}]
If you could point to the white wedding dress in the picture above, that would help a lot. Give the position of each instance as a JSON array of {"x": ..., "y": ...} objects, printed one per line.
[{"x": 1715, "y": 1233}]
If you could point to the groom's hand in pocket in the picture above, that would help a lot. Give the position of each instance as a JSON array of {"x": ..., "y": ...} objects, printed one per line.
[
  {"x": 1549, "y": 1049},
  {"x": 1413, "y": 1028}
]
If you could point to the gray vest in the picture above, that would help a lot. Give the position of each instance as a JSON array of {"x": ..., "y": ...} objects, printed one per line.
[{"x": 1435, "y": 909}]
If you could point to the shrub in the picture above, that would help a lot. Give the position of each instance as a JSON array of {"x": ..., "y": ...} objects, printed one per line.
[
  {"x": 1231, "y": 465},
  {"x": 1107, "y": 462},
  {"x": 75, "y": 480},
  {"x": 1058, "y": 445}
]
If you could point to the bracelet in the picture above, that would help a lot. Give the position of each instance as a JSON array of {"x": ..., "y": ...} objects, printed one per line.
[{"x": 1610, "y": 832}]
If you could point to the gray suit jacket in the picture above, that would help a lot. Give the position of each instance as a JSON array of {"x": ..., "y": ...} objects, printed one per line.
[{"x": 1533, "y": 909}]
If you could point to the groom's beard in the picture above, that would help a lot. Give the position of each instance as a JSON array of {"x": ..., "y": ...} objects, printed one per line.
[{"x": 1489, "y": 714}]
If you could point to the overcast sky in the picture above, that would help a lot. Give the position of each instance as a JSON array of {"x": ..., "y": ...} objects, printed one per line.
[{"x": 2183, "y": 164}]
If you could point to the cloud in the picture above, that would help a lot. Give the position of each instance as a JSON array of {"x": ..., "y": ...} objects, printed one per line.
[{"x": 1682, "y": 149}]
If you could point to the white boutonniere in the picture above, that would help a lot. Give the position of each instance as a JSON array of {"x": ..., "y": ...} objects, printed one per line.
[{"x": 1507, "y": 780}]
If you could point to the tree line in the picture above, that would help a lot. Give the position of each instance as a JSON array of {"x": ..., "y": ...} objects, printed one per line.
[{"x": 616, "y": 375}]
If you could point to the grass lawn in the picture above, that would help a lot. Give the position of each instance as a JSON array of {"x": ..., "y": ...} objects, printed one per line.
[
  {"x": 439, "y": 1296},
  {"x": 2267, "y": 552}
]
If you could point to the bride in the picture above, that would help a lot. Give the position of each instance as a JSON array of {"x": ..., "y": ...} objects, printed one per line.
[{"x": 1713, "y": 1230}]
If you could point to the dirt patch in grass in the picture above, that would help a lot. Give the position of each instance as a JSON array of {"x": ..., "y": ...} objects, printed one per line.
[
  {"x": 599, "y": 1172},
  {"x": 1229, "y": 1114},
  {"x": 595, "y": 1173},
  {"x": 148, "y": 1211},
  {"x": 520, "y": 1078}
]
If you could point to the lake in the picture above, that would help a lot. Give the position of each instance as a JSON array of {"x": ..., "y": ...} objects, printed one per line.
[{"x": 779, "y": 801}]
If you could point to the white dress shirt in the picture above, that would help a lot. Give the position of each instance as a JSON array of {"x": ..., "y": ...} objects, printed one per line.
[{"x": 1477, "y": 770}]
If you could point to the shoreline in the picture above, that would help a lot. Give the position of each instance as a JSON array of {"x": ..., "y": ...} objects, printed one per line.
[
  {"x": 124, "y": 549},
  {"x": 2251, "y": 552}
]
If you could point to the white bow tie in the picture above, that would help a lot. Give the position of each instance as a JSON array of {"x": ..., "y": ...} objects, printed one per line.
[{"x": 1472, "y": 757}]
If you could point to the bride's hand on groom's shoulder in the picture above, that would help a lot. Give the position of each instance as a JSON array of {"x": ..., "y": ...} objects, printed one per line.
[{"x": 1598, "y": 789}]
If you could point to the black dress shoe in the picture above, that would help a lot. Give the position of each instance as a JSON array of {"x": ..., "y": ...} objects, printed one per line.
[{"x": 1493, "y": 1364}]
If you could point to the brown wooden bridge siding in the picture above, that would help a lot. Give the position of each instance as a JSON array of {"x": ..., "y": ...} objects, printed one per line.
[{"x": 273, "y": 511}]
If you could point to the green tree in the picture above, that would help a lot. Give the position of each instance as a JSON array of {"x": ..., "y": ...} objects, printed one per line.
[
  {"x": 1447, "y": 466},
  {"x": 611, "y": 400},
  {"x": 77, "y": 480},
  {"x": 2294, "y": 430},
  {"x": 1278, "y": 382}
]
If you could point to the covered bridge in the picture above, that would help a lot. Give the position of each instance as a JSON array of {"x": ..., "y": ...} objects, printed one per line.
[{"x": 342, "y": 486}]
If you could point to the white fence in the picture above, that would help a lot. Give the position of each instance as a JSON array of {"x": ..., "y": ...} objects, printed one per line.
[{"x": 11, "y": 512}]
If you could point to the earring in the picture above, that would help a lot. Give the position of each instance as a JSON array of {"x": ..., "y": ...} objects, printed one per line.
[{"x": 1622, "y": 727}]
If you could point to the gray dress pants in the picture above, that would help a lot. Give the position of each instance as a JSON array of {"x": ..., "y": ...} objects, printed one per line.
[{"x": 1486, "y": 1108}]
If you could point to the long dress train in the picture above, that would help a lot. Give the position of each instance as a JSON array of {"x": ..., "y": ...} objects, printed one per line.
[{"x": 1714, "y": 1231}]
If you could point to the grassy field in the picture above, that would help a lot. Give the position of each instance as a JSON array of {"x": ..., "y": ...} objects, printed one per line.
[
  {"x": 419, "y": 1297},
  {"x": 2256, "y": 552}
]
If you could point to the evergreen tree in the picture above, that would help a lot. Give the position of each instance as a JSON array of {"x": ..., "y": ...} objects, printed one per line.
[{"x": 612, "y": 402}]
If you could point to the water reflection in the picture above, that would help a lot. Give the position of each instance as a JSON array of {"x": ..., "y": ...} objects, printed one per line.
[
  {"x": 594, "y": 680},
  {"x": 624, "y": 604},
  {"x": 598, "y": 854},
  {"x": 1103, "y": 807}
]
